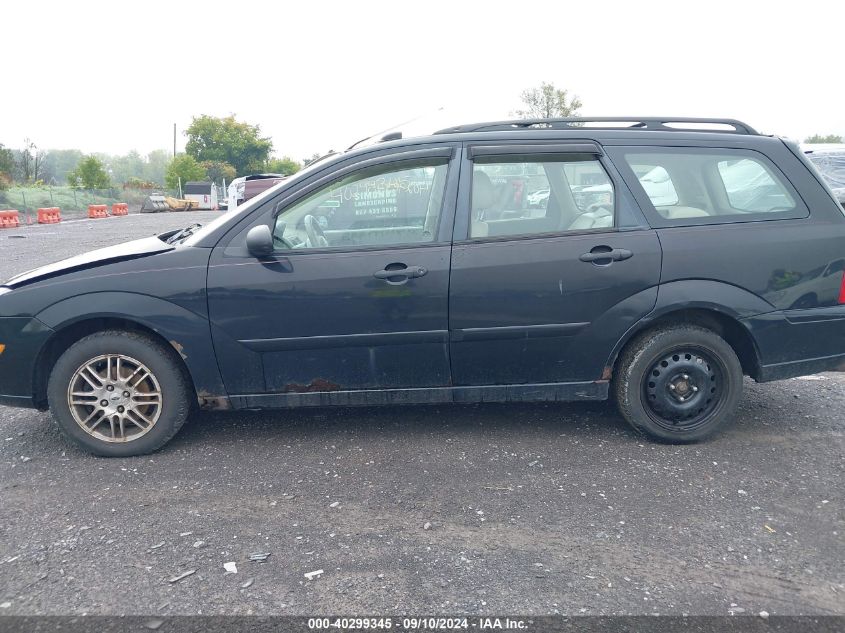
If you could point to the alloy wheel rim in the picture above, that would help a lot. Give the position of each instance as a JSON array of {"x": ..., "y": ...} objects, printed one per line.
[
  {"x": 683, "y": 389},
  {"x": 115, "y": 398}
]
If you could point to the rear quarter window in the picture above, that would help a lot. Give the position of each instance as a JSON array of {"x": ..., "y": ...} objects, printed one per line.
[
  {"x": 690, "y": 186},
  {"x": 751, "y": 188}
]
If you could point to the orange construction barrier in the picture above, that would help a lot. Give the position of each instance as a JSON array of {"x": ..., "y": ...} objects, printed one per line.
[
  {"x": 97, "y": 211},
  {"x": 120, "y": 208},
  {"x": 9, "y": 219},
  {"x": 49, "y": 215}
]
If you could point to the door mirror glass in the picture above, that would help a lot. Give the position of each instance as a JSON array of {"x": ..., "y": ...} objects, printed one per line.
[{"x": 259, "y": 241}]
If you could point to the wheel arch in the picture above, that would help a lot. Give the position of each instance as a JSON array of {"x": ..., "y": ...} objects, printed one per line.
[
  {"x": 184, "y": 334},
  {"x": 709, "y": 317},
  {"x": 61, "y": 340},
  {"x": 717, "y": 306}
]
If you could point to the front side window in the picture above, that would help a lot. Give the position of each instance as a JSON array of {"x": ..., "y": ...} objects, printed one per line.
[
  {"x": 699, "y": 186},
  {"x": 380, "y": 206},
  {"x": 547, "y": 195}
]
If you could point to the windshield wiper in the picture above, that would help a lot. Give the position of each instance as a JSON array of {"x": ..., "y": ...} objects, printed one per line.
[{"x": 183, "y": 234}]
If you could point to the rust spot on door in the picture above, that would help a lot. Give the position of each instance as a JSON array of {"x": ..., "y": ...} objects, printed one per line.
[{"x": 317, "y": 384}]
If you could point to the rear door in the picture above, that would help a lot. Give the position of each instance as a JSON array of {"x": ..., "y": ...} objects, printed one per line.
[{"x": 552, "y": 263}]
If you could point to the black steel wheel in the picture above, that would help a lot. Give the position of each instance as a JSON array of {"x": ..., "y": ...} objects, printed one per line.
[
  {"x": 678, "y": 383},
  {"x": 682, "y": 389}
]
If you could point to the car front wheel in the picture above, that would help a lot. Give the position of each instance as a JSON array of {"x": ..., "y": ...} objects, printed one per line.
[
  {"x": 678, "y": 383},
  {"x": 118, "y": 394}
]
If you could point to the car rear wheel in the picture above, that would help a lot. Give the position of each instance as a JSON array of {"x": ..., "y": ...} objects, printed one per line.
[
  {"x": 118, "y": 394},
  {"x": 678, "y": 384}
]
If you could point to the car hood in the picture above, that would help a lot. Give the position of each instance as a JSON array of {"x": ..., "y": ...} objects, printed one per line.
[{"x": 127, "y": 250}]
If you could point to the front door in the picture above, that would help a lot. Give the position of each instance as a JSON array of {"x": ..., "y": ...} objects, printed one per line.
[
  {"x": 355, "y": 296},
  {"x": 552, "y": 263}
]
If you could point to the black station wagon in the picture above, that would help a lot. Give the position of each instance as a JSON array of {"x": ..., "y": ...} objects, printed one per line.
[{"x": 653, "y": 260}]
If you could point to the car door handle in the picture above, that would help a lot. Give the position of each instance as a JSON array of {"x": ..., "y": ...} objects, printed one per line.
[
  {"x": 400, "y": 270},
  {"x": 602, "y": 253}
]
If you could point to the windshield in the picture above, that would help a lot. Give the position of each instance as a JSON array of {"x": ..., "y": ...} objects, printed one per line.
[{"x": 231, "y": 217}]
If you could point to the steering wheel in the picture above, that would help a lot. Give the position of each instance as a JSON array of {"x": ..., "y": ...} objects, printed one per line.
[{"x": 316, "y": 236}]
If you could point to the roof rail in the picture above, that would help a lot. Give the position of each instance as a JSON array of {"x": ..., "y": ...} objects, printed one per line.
[{"x": 663, "y": 124}]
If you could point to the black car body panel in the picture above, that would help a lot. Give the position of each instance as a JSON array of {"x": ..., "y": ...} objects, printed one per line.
[
  {"x": 17, "y": 365},
  {"x": 162, "y": 291},
  {"x": 491, "y": 318},
  {"x": 799, "y": 342},
  {"x": 527, "y": 311},
  {"x": 310, "y": 348}
]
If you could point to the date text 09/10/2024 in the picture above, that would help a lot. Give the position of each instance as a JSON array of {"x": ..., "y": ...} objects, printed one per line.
[{"x": 424, "y": 623}]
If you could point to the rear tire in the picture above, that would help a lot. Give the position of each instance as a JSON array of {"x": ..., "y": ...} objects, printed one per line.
[
  {"x": 678, "y": 384},
  {"x": 118, "y": 394}
]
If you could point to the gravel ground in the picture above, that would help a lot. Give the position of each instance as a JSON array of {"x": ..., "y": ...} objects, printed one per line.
[
  {"x": 518, "y": 508},
  {"x": 27, "y": 247}
]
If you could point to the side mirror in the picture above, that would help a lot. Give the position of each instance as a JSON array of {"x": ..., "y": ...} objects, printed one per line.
[{"x": 259, "y": 241}]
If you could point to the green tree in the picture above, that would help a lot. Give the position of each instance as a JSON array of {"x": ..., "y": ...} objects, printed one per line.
[
  {"x": 156, "y": 166},
  {"x": 818, "y": 138},
  {"x": 284, "y": 165},
  {"x": 89, "y": 174},
  {"x": 124, "y": 167},
  {"x": 7, "y": 167},
  {"x": 218, "y": 171},
  {"x": 30, "y": 162},
  {"x": 184, "y": 167},
  {"x": 546, "y": 102},
  {"x": 59, "y": 163},
  {"x": 229, "y": 141}
]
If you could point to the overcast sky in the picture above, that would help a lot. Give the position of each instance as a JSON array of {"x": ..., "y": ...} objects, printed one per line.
[{"x": 114, "y": 76}]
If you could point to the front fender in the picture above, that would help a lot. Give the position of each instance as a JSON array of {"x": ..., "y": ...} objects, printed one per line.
[
  {"x": 21, "y": 339},
  {"x": 187, "y": 332}
]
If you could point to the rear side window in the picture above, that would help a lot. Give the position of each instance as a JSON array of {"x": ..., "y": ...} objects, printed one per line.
[
  {"x": 657, "y": 184},
  {"x": 514, "y": 197},
  {"x": 697, "y": 186}
]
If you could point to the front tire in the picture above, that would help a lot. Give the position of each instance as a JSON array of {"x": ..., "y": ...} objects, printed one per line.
[
  {"x": 678, "y": 384},
  {"x": 118, "y": 394}
]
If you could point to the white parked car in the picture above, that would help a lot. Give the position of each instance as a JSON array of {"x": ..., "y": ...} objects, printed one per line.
[
  {"x": 656, "y": 183},
  {"x": 538, "y": 198},
  {"x": 829, "y": 159}
]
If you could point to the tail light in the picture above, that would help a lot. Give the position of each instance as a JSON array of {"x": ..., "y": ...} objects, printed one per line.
[{"x": 842, "y": 289}]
